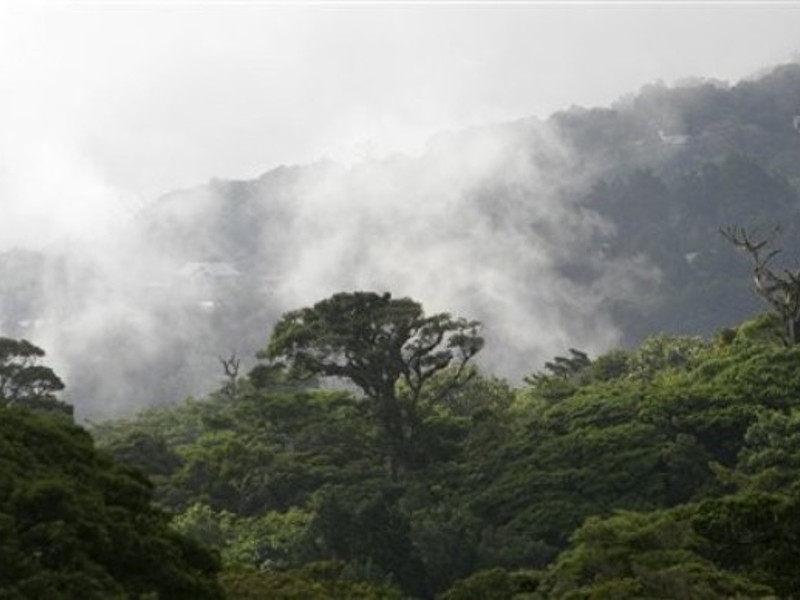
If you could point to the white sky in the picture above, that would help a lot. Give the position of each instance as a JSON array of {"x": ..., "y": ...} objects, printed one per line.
[{"x": 106, "y": 105}]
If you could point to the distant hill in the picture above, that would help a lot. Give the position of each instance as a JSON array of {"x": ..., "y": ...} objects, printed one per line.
[{"x": 593, "y": 228}]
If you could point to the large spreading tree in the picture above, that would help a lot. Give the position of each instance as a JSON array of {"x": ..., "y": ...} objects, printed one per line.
[{"x": 389, "y": 349}]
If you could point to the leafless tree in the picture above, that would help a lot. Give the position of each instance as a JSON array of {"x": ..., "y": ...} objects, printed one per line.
[
  {"x": 231, "y": 367},
  {"x": 780, "y": 288}
]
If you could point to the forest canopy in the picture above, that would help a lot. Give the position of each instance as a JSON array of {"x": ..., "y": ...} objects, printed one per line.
[
  {"x": 635, "y": 473},
  {"x": 368, "y": 456},
  {"x": 76, "y": 524},
  {"x": 389, "y": 349}
]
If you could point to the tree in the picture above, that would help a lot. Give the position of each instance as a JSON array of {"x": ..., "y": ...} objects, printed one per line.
[
  {"x": 781, "y": 290},
  {"x": 368, "y": 528},
  {"x": 495, "y": 584},
  {"x": 561, "y": 377},
  {"x": 753, "y": 534},
  {"x": 388, "y": 348},
  {"x": 325, "y": 580},
  {"x": 643, "y": 555},
  {"x": 76, "y": 524},
  {"x": 23, "y": 381}
]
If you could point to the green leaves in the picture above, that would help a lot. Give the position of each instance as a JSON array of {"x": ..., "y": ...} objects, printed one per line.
[
  {"x": 648, "y": 474},
  {"x": 755, "y": 534},
  {"x": 373, "y": 340},
  {"x": 77, "y": 525},
  {"x": 642, "y": 555},
  {"x": 24, "y": 382},
  {"x": 270, "y": 541},
  {"x": 328, "y": 580},
  {"x": 378, "y": 343}
]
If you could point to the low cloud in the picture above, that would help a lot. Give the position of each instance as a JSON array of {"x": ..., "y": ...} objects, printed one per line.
[{"x": 484, "y": 224}]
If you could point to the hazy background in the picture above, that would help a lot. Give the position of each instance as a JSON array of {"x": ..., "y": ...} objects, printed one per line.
[{"x": 106, "y": 107}]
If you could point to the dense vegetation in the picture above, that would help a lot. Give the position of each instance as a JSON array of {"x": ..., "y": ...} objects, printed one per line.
[
  {"x": 667, "y": 471},
  {"x": 658, "y": 172},
  {"x": 73, "y": 522}
]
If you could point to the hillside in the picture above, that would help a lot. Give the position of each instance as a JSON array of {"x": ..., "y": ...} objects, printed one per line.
[
  {"x": 76, "y": 524},
  {"x": 592, "y": 228},
  {"x": 666, "y": 471}
]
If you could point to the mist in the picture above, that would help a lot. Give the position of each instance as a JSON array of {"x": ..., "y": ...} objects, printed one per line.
[
  {"x": 423, "y": 165},
  {"x": 478, "y": 225}
]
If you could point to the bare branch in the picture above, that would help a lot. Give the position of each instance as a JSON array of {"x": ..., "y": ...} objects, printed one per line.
[
  {"x": 780, "y": 291},
  {"x": 231, "y": 367}
]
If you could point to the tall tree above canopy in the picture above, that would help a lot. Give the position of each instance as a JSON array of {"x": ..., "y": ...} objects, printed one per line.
[{"x": 385, "y": 346}]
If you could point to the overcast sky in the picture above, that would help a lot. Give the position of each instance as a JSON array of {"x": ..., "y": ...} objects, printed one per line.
[{"x": 106, "y": 105}]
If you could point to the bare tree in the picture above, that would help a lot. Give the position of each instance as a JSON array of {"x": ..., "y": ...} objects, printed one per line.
[
  {"x": 231, "y": 367},
  {"x": 780, "y": 288}
]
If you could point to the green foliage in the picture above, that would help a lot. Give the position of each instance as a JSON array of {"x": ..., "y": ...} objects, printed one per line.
[
  {"x": 495, "y": 584},
  {"x": 658, "y": 355},
  {"x": 561, "y": 376},
  {"x": 718, "y": 400},
  {"x": 316, "y": 581},
  {"x": 641, "y": 555},
  {"x": 665, "y": 353},
  {"x": 268, "y": 542},
  {"x": 589, "y": 442},
  {"x": 24, "y": 382},
  {"x": 637, "y": 441},
  {"x": 667, "y": 470},
  {"x": 611, "y": 365},
  {"x": 147, "y": 452},
  {"x": 563, "y": 367},
  {"x": 447, "y": 541},
  {"x": 267, "y": 451},
  {"x": 377, "y": 342},
  {"x": 77, "y": 525},
  {"x": 755, "y": 534},
  {"x": 372, "y": 340},
  {"x": 763, "y": 329},
  {"x": 276, "y": 478},
  {"x": 370, "y": 528},
  {"x": 771, "y": 452}
]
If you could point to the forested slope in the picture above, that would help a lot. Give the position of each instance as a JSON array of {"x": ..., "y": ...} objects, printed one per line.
[
  {"x": 76, "y": 524},
  {"x": 666, "y": 471},
  {"x": 537, "y": 468},
  {"x": 595, "y": 227}
]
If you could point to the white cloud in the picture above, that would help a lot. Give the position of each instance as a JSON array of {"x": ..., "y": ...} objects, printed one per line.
[
  {"x": 163, "y": 95},
  {"x": 103, "y": 107}
]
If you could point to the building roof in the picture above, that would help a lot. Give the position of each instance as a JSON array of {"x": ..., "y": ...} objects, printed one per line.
[{"x": 214, "y": 270}]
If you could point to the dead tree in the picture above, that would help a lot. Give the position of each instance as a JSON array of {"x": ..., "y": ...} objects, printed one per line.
[
  {"x": 231, "y": 367},
  {"x": 779, "y": 288}
]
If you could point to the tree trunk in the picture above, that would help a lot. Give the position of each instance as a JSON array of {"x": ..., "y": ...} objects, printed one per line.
[{"x": 792, "y": 331}]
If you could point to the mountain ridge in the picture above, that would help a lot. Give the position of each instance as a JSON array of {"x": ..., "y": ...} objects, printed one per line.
[{"x": 595, "y": 227}]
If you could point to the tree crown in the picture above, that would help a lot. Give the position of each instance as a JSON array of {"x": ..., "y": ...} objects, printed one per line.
[{"x": 374, "y": 340}]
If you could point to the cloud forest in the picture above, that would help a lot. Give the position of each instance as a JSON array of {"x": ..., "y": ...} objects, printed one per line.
[{"x": 540, "y": 359}]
